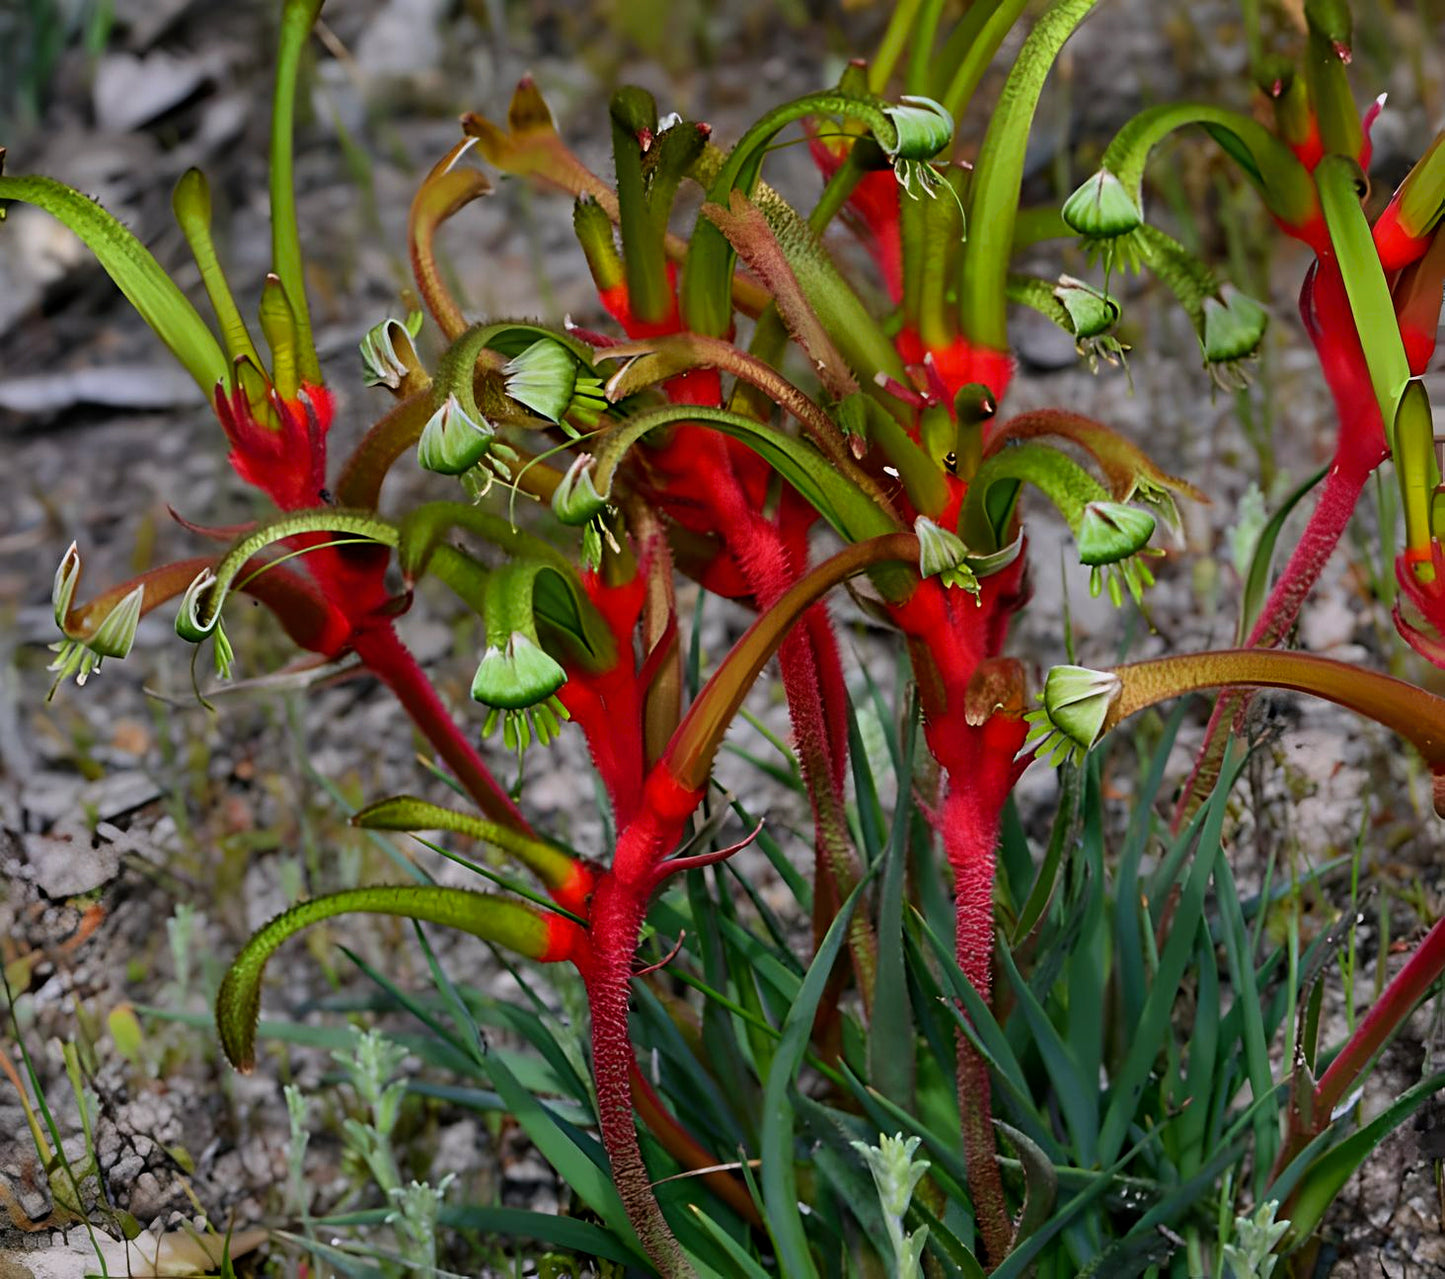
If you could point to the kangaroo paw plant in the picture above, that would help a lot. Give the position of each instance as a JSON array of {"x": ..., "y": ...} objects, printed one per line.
[{"x": 756, "y": 422}]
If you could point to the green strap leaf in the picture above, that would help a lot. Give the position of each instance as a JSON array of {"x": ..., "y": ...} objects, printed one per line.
[
  {"x": 1339, "y": 182},
  {"x": 297, "y": 19},
  {"x": 139, "y": 276},
  {"x": 998, "y": 177}
]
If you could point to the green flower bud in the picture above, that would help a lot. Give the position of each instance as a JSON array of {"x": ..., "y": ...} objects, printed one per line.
[
  {"x": 1112, "y": 531},
  {"x": 188, "y": 621},
  {"x": 1091, "y": 311},
  {"x": 548, "y": 379},
  {"x": 387, "y": 352},
  {"x": 1077, "y": 701},
  {"x": 191, "y": 627},
  {"x": 542, "y": 378},
  {"x": 1102, "y": 209},
  {"x": 112, "y": 638},
  {"x": 924, "y": 128},
  {"x": 576, "y": 499},
  {"x": 451, "y": 442},
  {"x": 517, "y": 676},
  {"x": 1234, "y": 326}
]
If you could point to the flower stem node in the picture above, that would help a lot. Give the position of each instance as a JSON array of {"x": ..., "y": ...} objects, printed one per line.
[
  {"x": 1076, "y": 704},
  {"x": 388, "y": 355},
  {"x": 452, "y": 442},
  {"x": 548, "y": 379},
  {"x": 1234, "y": 326}
]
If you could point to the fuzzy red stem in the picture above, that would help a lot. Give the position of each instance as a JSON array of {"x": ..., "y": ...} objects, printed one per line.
[
  {"x": 970, "y": 823},
  {"x": 618, "y": 907}
]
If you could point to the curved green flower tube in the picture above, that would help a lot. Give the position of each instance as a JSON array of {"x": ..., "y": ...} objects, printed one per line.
[
  {"x": 524, "y": 929},
  {"x": 204, "y": 598},
  {"x": 904, "y": 133}
]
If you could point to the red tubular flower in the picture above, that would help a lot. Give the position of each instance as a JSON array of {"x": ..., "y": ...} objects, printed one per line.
[
  {"x": 286, "y": 459},
  {"x": 959, "y": 363}
]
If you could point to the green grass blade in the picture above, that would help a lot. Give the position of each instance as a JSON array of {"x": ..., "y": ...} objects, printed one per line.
[
  {"x": 890, "y": 1035},
  {"x": 779, "y": 1179},
  {"x": 1153, "y": 1028}
]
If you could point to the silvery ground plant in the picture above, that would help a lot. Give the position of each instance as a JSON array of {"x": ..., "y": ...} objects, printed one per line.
[{"x": 751, "y": 420}]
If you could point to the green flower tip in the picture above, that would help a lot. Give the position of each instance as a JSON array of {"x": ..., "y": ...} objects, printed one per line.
[
  {"x": 576, "y": 500},
  {"x": 1102, "y": 209},
  {"x": 519, "y": 683},
  {"x": 1092, "y": 315},
  {"x": 1234, "y": 326},
  {"x": 1076, "y": 703},
  {"x": 387, "y": 352},
  {"x": 67, "y": 574},
  {"x": 189, "y": 625},
  {"x": 1112, "y": 531},
  {"x": 516, "y": 676},
  {"x": 451, "y": 442},
  {"x": 942, "y": 554},
  {"x": 79, "y": 656},
  {"x": 548, "y": 379}
]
